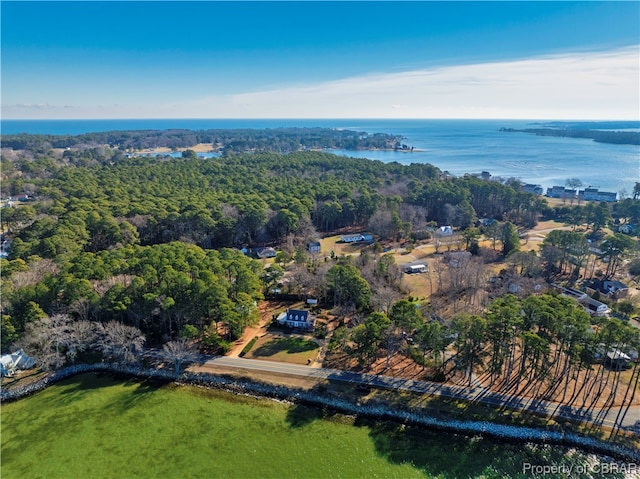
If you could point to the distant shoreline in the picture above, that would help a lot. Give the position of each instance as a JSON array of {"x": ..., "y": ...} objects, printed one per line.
[
  {"x": 455, "y": 146},
  {"x": 601, "y": 136},
  {"x": 210, "y": 148}
]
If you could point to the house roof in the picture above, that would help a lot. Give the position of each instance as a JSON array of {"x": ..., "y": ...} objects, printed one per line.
[
  {"x": 616, "y": 354},
  {"x": 297, "y": 315},
  {"x": 613, "y": 285},
  {"x": 268, "y": 251},
  {"x": 351, "y": 237}
]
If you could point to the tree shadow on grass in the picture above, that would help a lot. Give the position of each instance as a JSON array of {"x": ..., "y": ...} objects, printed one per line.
[
  {"x": 451, "y": 456},
  {"x": 288, "y": 345},
  {"x": 300, "y": 416},
  {"x": 137, "y": 389},
  {"x": 77, "y": 388},
  {"x": 69, "y": 404}
]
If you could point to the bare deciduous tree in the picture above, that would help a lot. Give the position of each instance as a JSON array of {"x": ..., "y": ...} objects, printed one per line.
[
  {"x": 47, "y": 340},
  {"x": 179, "y": 352},
  {"x": 36, "y": 273},
  {"x": 121, "y": 342},
  {"x": 83, "y": 308},
  {"x": 82, "y": 337}
]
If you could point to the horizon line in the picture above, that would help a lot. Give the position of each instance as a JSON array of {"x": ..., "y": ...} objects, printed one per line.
[{"x": 322, "y": 118}]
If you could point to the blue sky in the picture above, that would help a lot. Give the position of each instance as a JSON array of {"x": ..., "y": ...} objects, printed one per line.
[{"x": 320, "y": 59}]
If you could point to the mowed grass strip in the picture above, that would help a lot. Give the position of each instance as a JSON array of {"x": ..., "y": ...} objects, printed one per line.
[{"x": 290, "y": 349}]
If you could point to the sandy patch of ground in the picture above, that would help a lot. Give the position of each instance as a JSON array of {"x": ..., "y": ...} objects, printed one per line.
[
  {"x": 534, "y": 237},
  {"x": 199, "y": 148},
  {"x": 267, "y": 310},
  {"x": 421, "y": 285},
  {"x": 332, "y": 243}
]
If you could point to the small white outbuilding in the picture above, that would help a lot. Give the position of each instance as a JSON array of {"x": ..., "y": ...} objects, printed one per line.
[{"x": 19, "y": 360}]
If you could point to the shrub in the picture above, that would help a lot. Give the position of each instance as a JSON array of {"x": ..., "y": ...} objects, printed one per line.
[
  {"x": 248, "y": 347},
  {"x": 417, "y": 356},
  {"x": 320, "y": 331},
  {"x": 634, "y": 267},
  {"x": 214, "y": 342}
]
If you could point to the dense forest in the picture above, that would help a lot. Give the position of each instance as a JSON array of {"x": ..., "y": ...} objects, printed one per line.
[
  {"x": 601, "y": 136},
  {"x": 250, "y": 199},
  {"x": 100, "y": 242},
  {"x": 280, "y": 140},
  {"x": 102, "y": 239}
]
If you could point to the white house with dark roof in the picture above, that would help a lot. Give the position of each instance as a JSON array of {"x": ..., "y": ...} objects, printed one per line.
[
  {"x": 592, "y": 306},
  {"x": 445, "y": 231},
  {"x": 357, "y": 238},
  {"x": 593, "y": 194},
  {"x": 314, "y": 247},
  {"x": 297, "y": 318}
]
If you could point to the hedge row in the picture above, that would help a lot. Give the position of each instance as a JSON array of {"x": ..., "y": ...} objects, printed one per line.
[{"x": 248, "y": 347}]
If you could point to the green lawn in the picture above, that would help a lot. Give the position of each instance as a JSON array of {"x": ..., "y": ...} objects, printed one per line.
[
  {"x": 94, "y": 427},
  {"x": 291, "y": 349}
]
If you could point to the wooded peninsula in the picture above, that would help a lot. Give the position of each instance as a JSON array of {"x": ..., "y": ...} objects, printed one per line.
[
  {"x": 281, "y": 140},
  {"x": 601, "y": 136}
]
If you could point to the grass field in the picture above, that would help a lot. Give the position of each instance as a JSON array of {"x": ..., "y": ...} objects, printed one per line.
[
  {"x": 98, "y": 427},
  {"x": 291, "y": 349}
]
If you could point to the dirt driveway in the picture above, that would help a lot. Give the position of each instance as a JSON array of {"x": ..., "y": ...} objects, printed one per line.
[{"x": 267, "y": 310}]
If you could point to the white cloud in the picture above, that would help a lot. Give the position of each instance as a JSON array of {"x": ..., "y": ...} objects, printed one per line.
[{"x": 585, "y": 85}]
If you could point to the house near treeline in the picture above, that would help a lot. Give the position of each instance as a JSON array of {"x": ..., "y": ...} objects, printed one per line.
[
  {"x": 614, "y": 289},
  {"x": 314, "y": 247},
  {"x": 484, "y": 222},
  {"x": 594, "y": 194},
  {"x": 11, "y": 363},
  {"x": 297, "y": 318},
  {"x": 416, "y": 268},
  {"x": 357, "y": 238},
  {"x": 627, "y": 229},
  {"x": 592, "y": 306},
  {"x": 445, "y": 231},
  {"x": 531, "y": 188},
  {"x": 266, "y": 252},
  {"x": 617, "y": 359},
  {"x": 561, "y": 192}
]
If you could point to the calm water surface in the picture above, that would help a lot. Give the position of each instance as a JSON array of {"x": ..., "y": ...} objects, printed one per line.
[{"x": 456, "y": 146}]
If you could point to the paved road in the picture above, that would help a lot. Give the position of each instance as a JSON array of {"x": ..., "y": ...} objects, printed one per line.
[{"x": 474, "y": 394}]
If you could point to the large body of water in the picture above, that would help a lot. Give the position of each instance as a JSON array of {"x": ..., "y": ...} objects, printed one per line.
[{"x": 456, "y": 146}]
